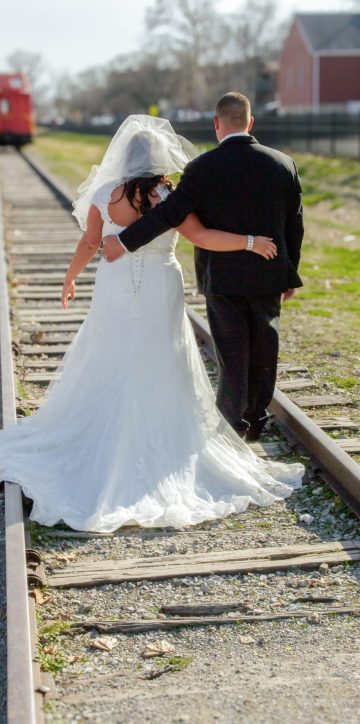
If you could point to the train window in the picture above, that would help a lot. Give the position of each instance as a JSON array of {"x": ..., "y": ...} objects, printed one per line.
[
  {"x": 15, "y": 83},
  {"x": 4, "y": 106}
]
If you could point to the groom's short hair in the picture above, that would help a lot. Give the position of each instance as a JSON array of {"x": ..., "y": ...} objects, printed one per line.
[{"x": 234, "y": 110}]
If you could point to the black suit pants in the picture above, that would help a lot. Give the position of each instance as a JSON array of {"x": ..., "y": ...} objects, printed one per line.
[{"x": 246, "y": 335}]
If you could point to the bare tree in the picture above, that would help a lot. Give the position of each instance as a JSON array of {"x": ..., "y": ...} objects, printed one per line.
[
  {"x": 253, "y": 29},
  {"x": 192, "y": 55},
  {"x": 256, "y": 37},
  {"x": 31, "y": 64},
  {"x": 189, "y": 34},
  {"x": 64, "y": 89},
  {"x": 34, "y": 67}
]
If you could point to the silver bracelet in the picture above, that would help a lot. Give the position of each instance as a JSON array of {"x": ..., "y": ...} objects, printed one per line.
[{"x": 250, "y": 243}]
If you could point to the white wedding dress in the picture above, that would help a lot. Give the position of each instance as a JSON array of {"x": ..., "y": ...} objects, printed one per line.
[{"x": 130, "y": 432}]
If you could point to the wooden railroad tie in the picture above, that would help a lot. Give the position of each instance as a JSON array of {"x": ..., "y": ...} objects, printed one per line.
[
  {"x": 260, "y": 560},
  {"x": 286, "y": 367},
  {"x": 54, "y": 349},
  {"x": 215, "y": 609},
  {"x": 335, "y": 423},
  {"x": 270, "y": 449},
  {"x": 141, "y": 626},
  {"x": 321, "y": 400},
  {"x": 40, "y": 364},
  {"x": 49, "y": 317},
  {"x": 29, "y": 327},
  {"x": 295, "y": 384}
]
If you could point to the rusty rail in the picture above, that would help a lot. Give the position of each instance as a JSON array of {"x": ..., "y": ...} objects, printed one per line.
[
  {"x": 20, "y": 684},
  {"x": 338, "y": 468}
]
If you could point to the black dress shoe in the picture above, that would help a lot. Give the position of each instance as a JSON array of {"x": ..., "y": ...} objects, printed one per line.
[{"x": 255, "y": 429}]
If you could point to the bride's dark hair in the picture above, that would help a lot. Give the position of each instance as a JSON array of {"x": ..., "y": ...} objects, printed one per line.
[
  {"x": 143, "y": 187},
  {"x": 138, "y": 189}
]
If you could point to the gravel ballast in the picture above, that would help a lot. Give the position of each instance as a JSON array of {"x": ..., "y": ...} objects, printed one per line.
[{"x": 275, "y": 671}]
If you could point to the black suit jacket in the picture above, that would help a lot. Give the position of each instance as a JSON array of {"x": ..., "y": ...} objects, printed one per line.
[{"x": 242, "y": 187}]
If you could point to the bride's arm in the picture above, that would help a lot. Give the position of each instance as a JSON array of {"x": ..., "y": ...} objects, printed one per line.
[
  {"x": 85, "y": 251},
  {"x": 216, "y": 240}
]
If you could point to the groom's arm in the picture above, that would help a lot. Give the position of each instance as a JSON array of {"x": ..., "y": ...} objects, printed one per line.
[
  {"x": 167, "y": 215},
  {"x": 294, "y": 221}
]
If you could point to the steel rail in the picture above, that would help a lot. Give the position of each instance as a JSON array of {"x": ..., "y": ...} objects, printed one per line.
[
  {"x": 338, "y": 468},
  {"x": 20, "y": 683},
  {"x": 60, "y": 191}
]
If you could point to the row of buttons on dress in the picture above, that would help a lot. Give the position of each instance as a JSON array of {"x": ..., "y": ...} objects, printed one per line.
[{"x": 137, "y": 268}]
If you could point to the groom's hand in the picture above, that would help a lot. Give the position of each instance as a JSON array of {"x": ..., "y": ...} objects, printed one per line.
[{"x": 112, "y": 249}]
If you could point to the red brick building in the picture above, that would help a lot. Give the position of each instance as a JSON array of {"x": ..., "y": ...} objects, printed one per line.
[{"x": 320, "y": 63}]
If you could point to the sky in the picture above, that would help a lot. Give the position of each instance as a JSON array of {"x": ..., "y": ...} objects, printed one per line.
[{"x": 75, "y": 34}]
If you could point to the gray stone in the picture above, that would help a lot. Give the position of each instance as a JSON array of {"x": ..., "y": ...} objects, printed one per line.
[
  {"x": 337, "y": 569},
  {"x": 172, "y": 548}
]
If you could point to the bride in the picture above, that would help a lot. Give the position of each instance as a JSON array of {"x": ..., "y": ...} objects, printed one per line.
[{"x": 129, "y": 432}]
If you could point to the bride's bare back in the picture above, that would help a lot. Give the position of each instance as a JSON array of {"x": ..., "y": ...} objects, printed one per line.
[{"x": 120, "y": 210}]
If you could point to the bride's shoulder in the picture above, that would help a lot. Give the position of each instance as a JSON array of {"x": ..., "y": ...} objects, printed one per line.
[{"x": 105, "y": 193}]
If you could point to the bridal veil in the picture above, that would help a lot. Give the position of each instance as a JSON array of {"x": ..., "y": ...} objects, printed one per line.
[{"x": 142, "y": 146}]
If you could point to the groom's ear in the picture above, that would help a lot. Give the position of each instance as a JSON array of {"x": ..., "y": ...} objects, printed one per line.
[
  {"x": 251, "y": 123},
  {"x": 216, "y": 123}
]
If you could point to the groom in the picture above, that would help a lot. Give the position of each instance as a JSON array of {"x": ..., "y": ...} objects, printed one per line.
[{"x": 241, "y": 187}]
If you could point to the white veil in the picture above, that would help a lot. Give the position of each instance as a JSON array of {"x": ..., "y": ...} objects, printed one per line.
[{"x": 142, "y": 146}]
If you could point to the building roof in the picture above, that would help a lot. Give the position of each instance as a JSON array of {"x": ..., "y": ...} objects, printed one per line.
[{"x": 331, "y": 31}]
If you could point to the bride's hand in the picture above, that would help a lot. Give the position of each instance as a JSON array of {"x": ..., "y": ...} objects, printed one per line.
[
  {"x": 265, "y": 247},
  {"x": 68, "y": 290}
]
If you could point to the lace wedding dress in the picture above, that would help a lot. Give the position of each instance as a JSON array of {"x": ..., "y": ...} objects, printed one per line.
[{"x": 130, "y": 432}]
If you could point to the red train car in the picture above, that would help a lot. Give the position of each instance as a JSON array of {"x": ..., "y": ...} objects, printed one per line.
[{"x": 16, "y": 112}]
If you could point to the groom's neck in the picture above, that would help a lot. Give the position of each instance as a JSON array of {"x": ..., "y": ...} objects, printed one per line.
[
  {"x": 221, "y": 134},
  {"x": 223, "y": 128}
]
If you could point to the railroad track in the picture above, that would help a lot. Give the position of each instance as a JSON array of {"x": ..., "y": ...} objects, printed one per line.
[{"x": 40, "y": 236}]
